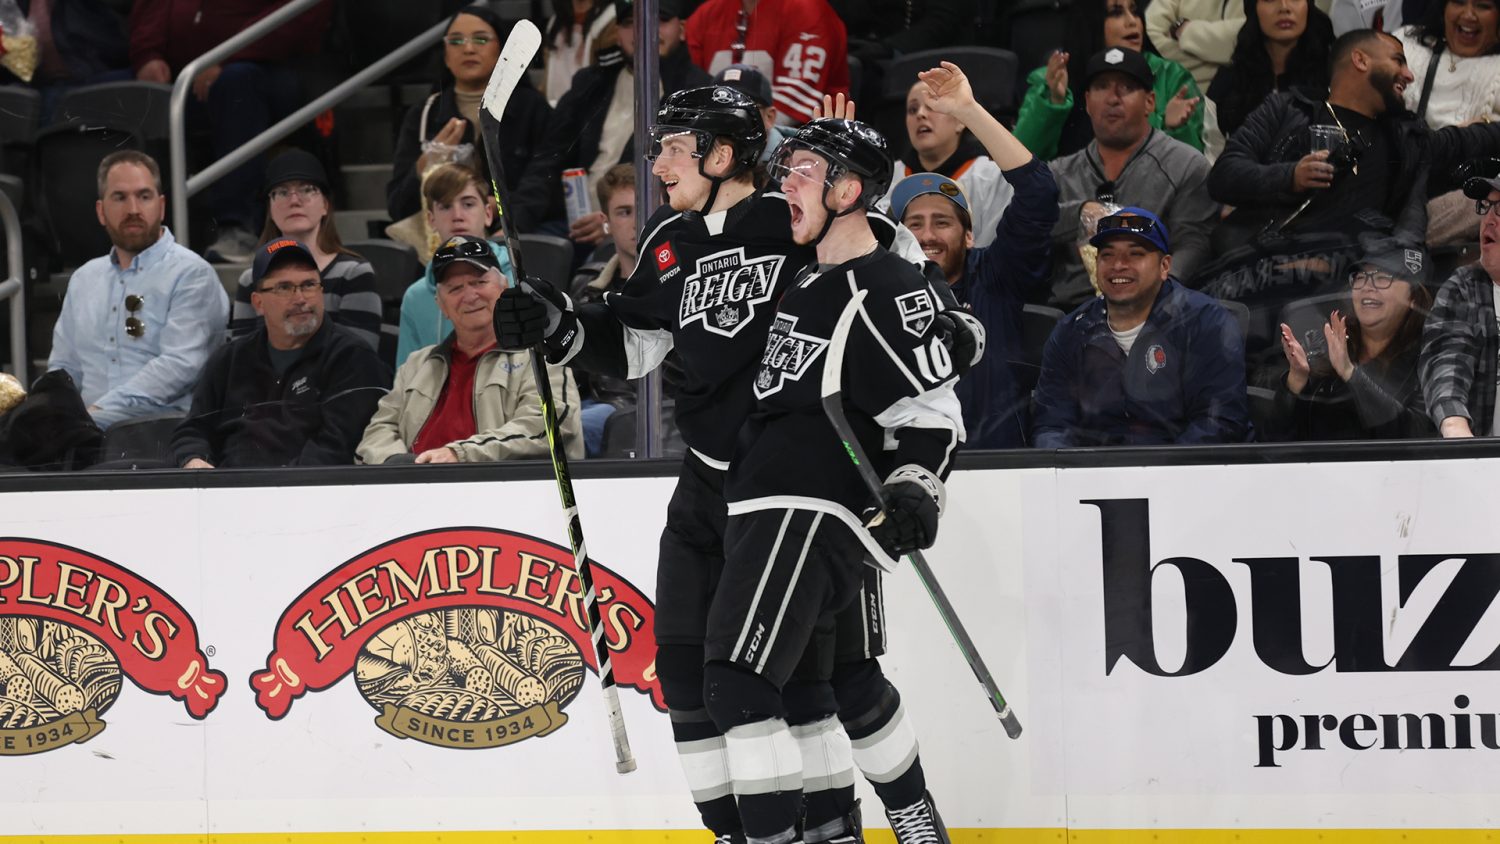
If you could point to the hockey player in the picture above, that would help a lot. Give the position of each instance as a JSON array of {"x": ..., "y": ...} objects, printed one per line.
[
  {"x": 795, "y": 542},
  {"x": 715, "y": 260}
]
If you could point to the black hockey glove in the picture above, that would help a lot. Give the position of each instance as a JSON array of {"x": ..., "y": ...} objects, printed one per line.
[
  {"x": 911, "y": 501},
  {"x": 964, "y": 336},
  {"x": 534, "y": 312}
]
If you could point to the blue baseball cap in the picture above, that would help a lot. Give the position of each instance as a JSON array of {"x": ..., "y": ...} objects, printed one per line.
[
  {"x": 918, "y": 184},
  {"x": 1137, "y": 223}
]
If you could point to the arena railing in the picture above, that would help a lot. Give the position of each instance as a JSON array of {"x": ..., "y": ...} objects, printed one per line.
[
  {"x": 12, "y": 289},
  {"x": 184, "y": 187}
]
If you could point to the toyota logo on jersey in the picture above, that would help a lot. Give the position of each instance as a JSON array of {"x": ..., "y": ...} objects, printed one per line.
[
  {"x": 725, "y": 289},
  {"x": 788, "y": 356},
  {"x": 664, "y": 257}
]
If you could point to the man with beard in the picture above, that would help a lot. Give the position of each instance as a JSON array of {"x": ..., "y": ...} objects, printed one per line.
[
  {"x": 995, "y": 280},
  {"x": 137, "y": 324},
  {"x": 297, "y": 391},
  {"x": 1133, "y": 163},
  {"x": 1299, "y": 210}
]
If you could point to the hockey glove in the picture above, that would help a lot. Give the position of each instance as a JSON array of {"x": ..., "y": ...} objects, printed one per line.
[
  {"x": 906, "y": 516},
  {"x": 534, "y": 312},
  {"x": 964, "y": 336}
]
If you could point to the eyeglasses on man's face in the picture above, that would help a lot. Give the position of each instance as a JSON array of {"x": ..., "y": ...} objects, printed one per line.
[
  {"x": 286, "y": 289},
  {"x": 1484, "y": 206}
]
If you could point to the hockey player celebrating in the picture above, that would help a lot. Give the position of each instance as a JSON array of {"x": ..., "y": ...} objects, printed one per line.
[
  {"x": 715, "y": 260},
  {"x": 795, "y": 545}
]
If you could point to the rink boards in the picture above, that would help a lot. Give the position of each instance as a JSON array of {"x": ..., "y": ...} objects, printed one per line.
[{"x": 1280, "y": 653}]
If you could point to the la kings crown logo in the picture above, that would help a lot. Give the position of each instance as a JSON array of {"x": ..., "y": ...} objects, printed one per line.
[
  {"x": 726, "y": 289},
  {"x": 788, "y": 356}
]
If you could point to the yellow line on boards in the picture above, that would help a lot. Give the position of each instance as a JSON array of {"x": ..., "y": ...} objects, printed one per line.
[{"x": 873, "y": 836}]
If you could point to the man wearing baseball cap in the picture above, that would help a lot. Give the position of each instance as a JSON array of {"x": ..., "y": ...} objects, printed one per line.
[
  {"x": 1150, "y": 362},
  {"x": 1136, "y": 164},
  {"x": 1460, "y": 341},
  {"x": 464, "y": 400},
  {"x": 754, "y": 84},
  {"x": 992, "y": 281},
  {"x": 297, "y": 391}
]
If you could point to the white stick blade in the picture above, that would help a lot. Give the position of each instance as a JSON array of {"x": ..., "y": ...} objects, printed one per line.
[
  {"x": 520, "y": 48},
  {"x": 833, "y": 364}
]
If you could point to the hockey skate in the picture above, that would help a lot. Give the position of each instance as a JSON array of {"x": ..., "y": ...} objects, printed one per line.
[{"x": 918, "y": 823}]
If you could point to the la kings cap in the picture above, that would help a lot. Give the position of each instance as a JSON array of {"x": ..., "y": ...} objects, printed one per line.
[{"x": 1119, "y": 60}]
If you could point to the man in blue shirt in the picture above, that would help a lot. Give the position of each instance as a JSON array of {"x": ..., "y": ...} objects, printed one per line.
[
  {"x": 1148, "y": 363},
  {"x": 137, "y": 324},
  {"x": 992, "y": 281}
]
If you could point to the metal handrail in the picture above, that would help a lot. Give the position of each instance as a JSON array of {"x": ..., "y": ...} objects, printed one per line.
[
  {"x": 184, "y": 187},
  {"x": 648, "y": 434},
  {"x": 12, "y": 288}
]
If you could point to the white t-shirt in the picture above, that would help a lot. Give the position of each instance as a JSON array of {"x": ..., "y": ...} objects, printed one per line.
[{"x": 1126, "y": 338}]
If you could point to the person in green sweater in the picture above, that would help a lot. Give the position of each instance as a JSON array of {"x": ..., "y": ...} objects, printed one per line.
[{"x": 1052, "y": 121}]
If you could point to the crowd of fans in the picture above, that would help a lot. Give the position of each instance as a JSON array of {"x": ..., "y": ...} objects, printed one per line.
[{"x": 1249, "y": 216}]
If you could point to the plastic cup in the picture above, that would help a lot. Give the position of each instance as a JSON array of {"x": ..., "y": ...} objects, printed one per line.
[{"x": 1327, "y": 138}]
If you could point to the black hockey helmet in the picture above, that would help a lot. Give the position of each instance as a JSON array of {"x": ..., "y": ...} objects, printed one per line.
[
  {"x": 850, "y": 147},
  {"x": 714, "y": 111}
]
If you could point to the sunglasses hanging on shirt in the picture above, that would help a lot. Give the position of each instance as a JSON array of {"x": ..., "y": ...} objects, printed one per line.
[{"x": 133, "y": 325}]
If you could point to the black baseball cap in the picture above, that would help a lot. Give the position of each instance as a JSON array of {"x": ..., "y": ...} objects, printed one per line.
[
  {"x": 276, "y": 252},
  {"x": 1479, "y": 177},
  {"x": 1119, "y": 60},
  {"x": 1405, "y": 261},
  {"x": 464, "y": 249},
  {"x": 296, "y": 165},
  {"x": 665, "y": 9},
  {"x": 748, "y": 81}
]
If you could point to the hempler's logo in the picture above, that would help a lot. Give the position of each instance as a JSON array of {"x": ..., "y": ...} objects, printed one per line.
[
  {"x": 1357, "y": 611},
  {"x": 728, "y": 286},
  {"x": 464, "y": 637},
  {"x": 72, "y": 627}
]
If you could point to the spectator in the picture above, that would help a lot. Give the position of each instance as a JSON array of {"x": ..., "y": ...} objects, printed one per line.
[
  {"x": 78, "y": 42},
  {"x": 1461, "y": 38},
  {"x": 301, "y": 209},
  {"x": 137, "y": 324},
  {"x": 1366, "y": 387},
  {"x": 1186, "y": 385},
  {"x": 940, "y": 143},
  {"x": 1053, "y": 121},
  {"x": 992, "y": 281},
  {"x": 572, "y": 31},
  {"x": 882, "y": 29},
  {"x": 1460, "y": 342},
  {"x": 1131, "y": 161},
  {"x": 1299, "y": 212},
  {"x": 1284, "y": 43},
  {"x": 237, "y": 100},
  {"x": 295, "y": 392},
  {"x": 444, "y": 128},
  {"x": 464, "y": 400},
  {"x": 1379, "y": 15},
  {"x": 754, "y": 84},
  {"x": 799, "y": 44},
  {"x": 457, "y": 204},
  {"x": 594, "y": 124},
  {"x": 1197, "y": 34}
]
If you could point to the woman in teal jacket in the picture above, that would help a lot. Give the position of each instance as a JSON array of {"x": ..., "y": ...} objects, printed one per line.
[{"x": 1053, "y": 122}]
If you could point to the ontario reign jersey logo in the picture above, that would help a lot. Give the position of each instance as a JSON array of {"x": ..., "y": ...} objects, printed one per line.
[
  {"x": 726, "y": 288},
  {"x": 788, "y": 356}
]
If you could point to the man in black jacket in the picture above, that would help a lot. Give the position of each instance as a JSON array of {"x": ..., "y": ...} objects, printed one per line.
[
  {"x": 581, "y": 132},
  {"x": 1300, "y": 210},
  {"x": 298, "y": 391}
]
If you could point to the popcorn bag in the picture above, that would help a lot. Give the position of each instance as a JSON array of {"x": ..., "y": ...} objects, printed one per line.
[
  {"x": 1089, "y": 216},
  {"x": 11, "y": 392},
  {"x": 18, "y": 47}
]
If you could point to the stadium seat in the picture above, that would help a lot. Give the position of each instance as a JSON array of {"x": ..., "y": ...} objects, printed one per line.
[
  {"x": 140, "y": 443},
  {"x": 139, "y": 107},
  {"x": 1264, "y": 415},
  {"x": 1037, "y": 322},
  {"x": 1241, "y": 314},
  {"x": 390, "y": 337},
  {"x": 991, "y": 72},
  {"x": 64, "y": 187},
  {"x": 619, "y": 434},
  {"x": 22, "y": 108},
  {"x": 396, "y": 267},
  {"x": 548, "y": 257},
  {"x": 1037, "y": 27}
]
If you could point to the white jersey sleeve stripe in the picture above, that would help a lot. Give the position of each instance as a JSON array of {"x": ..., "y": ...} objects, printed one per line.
[{"x": 645, "y": 350}]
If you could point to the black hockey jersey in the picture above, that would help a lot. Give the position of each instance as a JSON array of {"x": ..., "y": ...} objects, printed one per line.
[
  {"x": 898, "y": 391},
  {"x": 706, "y": 286}
]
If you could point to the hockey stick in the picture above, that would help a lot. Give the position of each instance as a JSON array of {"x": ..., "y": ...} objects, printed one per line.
[
  {"x": 520, "y": 48},
  {"x": 833, "y": 406}
]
